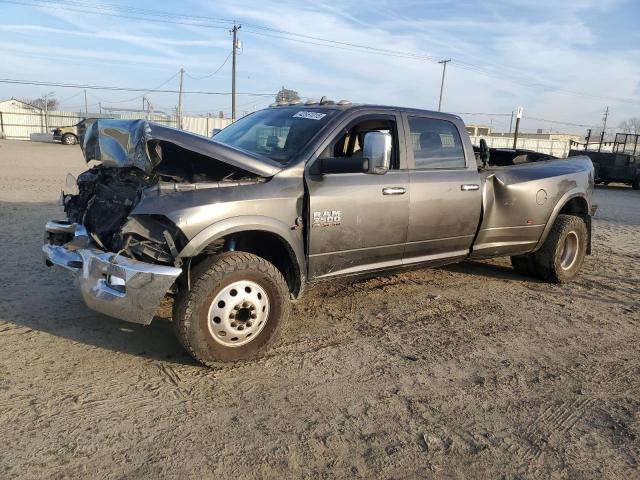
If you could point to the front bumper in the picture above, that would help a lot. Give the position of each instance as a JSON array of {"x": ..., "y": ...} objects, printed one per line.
[{"x": 117, "y": 286}]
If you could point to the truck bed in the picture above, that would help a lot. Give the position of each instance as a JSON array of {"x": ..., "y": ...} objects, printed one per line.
[{"x": 518, "y": 201}]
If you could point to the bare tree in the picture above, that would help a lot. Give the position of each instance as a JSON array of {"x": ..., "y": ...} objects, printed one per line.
[
  {"x": 286, "y": 95},
  {"x": 631, "y": 125},
  {"x": 220, "y": 114},
  {"x": 44, "y": 102}
]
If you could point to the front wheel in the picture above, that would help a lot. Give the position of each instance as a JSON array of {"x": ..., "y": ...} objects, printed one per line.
[
  {"x": 636, "y": 183},
  {"x": 234, "y": 309},
  {"x": 562, "y": 254},
  {"x": 69, "y": 139}
]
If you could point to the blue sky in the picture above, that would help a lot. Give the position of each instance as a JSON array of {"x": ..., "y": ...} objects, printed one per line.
[{"x": 562, "y": 60}]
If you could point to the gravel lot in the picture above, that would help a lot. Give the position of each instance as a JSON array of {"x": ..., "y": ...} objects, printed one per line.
[{"x": 470, "y": 371}]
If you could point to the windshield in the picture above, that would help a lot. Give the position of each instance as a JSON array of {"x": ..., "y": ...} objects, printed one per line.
[{"x": 277, "y": 133}]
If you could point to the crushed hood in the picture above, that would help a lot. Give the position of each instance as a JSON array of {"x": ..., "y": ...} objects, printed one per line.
[{"x": 129, "y": 143}]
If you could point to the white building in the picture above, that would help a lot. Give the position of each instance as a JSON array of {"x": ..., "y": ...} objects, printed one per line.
[{"x": 14, "y": 104}]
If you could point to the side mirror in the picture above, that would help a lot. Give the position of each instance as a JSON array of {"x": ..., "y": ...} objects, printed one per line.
[{"x": 377, "y": 149}]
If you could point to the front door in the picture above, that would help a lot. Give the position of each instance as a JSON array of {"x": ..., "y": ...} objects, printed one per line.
[{"x": 358, "y": 221}]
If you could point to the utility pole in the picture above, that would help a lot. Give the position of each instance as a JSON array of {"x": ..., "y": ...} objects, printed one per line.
[
  {"x": 86, "y": 108},
  {"x": 234, "y": 31},
  {"x": 511, "y": 123},
  {"x": 46, "y": 113},
  {"x": 100, "y": 107},
  {"x": 515, "y": 135},
  {"x": 180, "y": 100},
  {"x": 444, "y": 70},
  {"x": 604, "y": 119},
  {"x": 604, "y": 127},
  {"x": 588, "y": 137}
]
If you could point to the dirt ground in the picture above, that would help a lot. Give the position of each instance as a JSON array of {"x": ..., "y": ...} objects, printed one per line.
[{"x": 470, "y": 371}]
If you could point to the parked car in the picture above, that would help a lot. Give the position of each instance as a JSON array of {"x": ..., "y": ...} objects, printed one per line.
[
  {"x": 236, "y": 226},
  {"x": 71, "y": 135}
]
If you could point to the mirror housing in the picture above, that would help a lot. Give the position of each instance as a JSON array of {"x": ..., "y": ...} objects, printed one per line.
[{"x": 377, "y": 149}]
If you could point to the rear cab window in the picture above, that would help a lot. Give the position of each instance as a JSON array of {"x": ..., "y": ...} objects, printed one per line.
[{"x": 435, "y": 144}]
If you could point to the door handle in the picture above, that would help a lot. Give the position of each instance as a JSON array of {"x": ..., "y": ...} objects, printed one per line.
[
  {"x": 469, "y": 187},
  {"x": 394, "y": 191}
]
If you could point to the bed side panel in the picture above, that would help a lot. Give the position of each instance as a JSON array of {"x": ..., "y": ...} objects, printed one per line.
[{"x": 519, "y": 200}]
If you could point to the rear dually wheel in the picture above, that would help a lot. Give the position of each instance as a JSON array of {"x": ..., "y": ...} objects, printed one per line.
[{"x": 561, "y": 256}]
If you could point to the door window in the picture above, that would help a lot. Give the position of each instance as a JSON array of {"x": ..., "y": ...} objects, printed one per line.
[
  {"x": 435, "y": 144},
  {"x": 349, "y": 142}
]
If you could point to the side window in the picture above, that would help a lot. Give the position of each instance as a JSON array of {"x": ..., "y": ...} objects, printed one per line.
[
  {"x": 349, "y": 143},
  {"x": 435, "y": 144}
]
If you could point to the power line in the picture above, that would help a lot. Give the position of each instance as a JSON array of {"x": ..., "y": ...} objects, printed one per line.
[
  {"x": 205, "y": 22},
  {"x": 148, "y": 91},
  {"x": 343, "y": 46},
  {"x": 211, "y": 74},
  {"x": 485, "y": 114},
  {"x": 125, "y": 89},
  {"x": 559, "y": 122},
  {"x": 98, "y": 11},
  {"x": 66, "y": 99}
]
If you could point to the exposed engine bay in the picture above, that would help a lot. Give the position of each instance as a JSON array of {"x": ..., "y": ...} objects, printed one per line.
[{"x": 136, "y": 160}]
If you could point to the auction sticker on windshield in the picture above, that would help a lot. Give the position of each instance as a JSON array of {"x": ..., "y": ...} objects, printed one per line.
[{"x": 310, "y": 115}]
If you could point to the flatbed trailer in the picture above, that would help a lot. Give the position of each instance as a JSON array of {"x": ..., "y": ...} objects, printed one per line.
[{"x": 617, "y": 161}]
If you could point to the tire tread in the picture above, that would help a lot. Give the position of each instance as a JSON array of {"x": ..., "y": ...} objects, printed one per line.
[
  {"x": 545, "y": 257},
  {"x": 215, "y": 269}
]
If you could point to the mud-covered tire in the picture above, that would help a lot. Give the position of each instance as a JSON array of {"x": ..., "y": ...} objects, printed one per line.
[
  {"x": 561, "y": 256},
  {"x": 193, "y": 310},
  {"x": 525, "y": 265},
  {"x": 69, "y": 139}
]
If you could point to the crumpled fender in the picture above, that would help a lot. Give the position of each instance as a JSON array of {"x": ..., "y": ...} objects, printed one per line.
[{"x": 291, "y": 237}]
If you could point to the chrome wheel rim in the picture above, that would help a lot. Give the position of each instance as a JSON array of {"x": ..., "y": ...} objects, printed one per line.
[
  {"x": 569, "y": 253},
  {"x": 68, "y": 140},
  {"x": 238, "y": 313}
]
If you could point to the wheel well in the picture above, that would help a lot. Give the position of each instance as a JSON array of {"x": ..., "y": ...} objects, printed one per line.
[
  {"x": 267, "y": 245},
  {"x": 576, "y": 206},
  {"x": 69, "y": 133}
]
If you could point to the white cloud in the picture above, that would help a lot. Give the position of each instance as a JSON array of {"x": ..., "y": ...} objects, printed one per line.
[{"x": 505, "y": 53}]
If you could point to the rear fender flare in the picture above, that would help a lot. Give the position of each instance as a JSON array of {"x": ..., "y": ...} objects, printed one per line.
[{"x": 571, "y": 194}]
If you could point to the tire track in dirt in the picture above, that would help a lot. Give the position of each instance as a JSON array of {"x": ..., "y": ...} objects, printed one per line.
[{"x": 555, "y": 419}]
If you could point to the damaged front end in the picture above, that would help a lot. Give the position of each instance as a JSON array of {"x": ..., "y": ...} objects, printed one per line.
[{"x": 126, "y": 261}]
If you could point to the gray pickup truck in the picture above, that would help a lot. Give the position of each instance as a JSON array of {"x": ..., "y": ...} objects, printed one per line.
[{"x": 235, "y": 227}]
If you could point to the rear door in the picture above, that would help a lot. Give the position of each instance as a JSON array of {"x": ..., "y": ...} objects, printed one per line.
[
  {"x": 358, "y": 221},
  {"x": 445, "y": 190}
]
